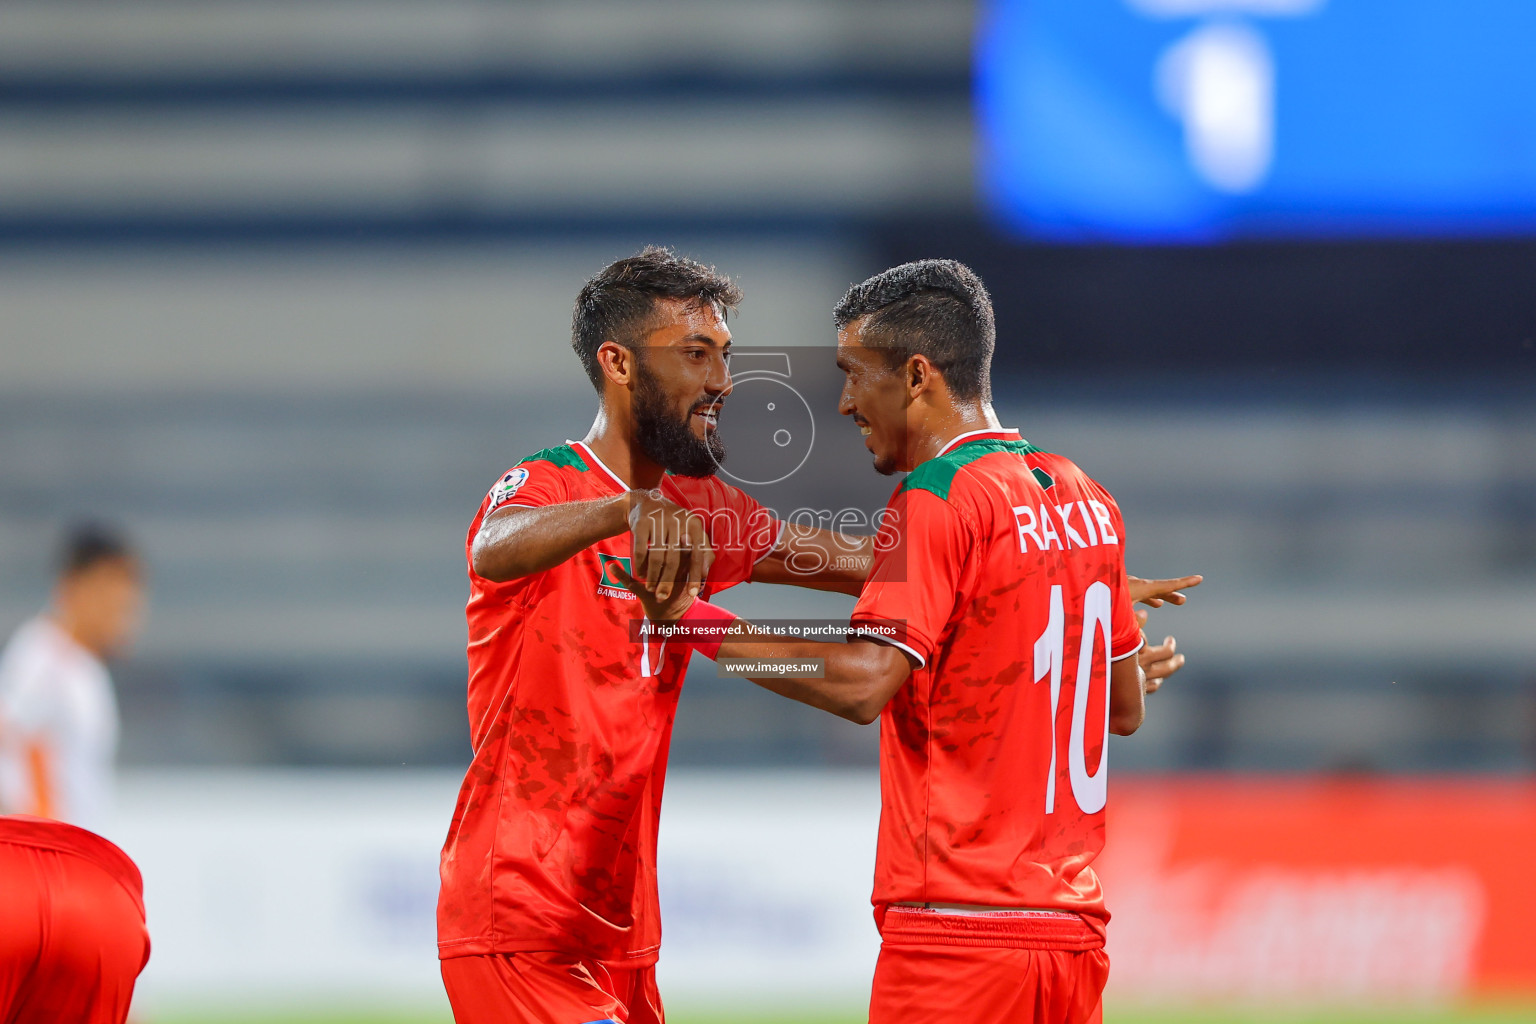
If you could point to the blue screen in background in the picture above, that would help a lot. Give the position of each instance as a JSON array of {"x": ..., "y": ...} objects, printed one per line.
[{"x": 1202, "y": 120}]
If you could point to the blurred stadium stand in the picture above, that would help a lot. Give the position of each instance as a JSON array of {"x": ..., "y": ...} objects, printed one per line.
[
  {"x": 286, "y": 286},
  {"x": 154, "y": 119}
]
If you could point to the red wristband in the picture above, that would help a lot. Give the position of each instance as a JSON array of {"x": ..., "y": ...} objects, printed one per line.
[{"x": 707, "y": 626}]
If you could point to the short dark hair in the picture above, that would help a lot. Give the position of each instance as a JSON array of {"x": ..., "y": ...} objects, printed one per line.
[
  {"x": 935, "y": 308},
  {"x": 88, "y": 544},
  {"x": 619, "y": 301}
]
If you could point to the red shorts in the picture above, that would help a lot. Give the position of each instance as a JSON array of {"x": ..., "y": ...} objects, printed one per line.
[
  {"x": 938, "y": 968},
  {"x": 72, "y": 936},
  {"x": 549, "y": 988}
]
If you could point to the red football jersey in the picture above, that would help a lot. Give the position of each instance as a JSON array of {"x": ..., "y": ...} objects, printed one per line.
[
  {"x": 553, "y": 841},
  {"x": 1007, "y": 581}
]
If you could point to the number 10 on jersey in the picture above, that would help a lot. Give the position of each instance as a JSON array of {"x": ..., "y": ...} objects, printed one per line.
[{"x": 1090, "y": 791}]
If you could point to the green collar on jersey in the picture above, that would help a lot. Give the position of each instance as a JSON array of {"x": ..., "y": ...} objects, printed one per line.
[
  {"x": 564, "y": 455},
  {"x": 938, "y": 474}
]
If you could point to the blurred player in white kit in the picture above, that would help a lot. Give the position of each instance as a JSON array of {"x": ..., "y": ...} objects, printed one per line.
[{"x": 58, "y": 714}]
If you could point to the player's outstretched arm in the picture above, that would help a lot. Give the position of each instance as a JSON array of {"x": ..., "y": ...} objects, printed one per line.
[
  {"x": 671, "y": 544},
  {"x": 818, "y": 559},
  {"x": 858, "y": 678},
  {"x": 514, "y": 542}
]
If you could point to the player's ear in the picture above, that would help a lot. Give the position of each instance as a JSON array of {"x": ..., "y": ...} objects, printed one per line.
[
  {"x": 920, "y": 375},
  {"x": 617, "y": 362}
]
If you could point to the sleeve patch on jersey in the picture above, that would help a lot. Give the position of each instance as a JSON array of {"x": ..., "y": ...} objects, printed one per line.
[{"x": 508, "y": 485}]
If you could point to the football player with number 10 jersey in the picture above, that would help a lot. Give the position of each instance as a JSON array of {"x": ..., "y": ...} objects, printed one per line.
[{"x": 996, "y": 643}]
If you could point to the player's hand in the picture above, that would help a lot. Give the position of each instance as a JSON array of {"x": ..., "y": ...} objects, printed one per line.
[
  {"x": 1155, "y": 592},
  {"x": 657, "y": 609},
  {"x": 1160, "y": 661},
  {"x": 671, "y": 545}
]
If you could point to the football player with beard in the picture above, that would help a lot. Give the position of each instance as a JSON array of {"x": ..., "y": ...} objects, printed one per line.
[{"x": 548, "y": 907}]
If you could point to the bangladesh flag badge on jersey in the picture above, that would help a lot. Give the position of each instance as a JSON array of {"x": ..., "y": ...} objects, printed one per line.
[{"x": 608, "y": 582}]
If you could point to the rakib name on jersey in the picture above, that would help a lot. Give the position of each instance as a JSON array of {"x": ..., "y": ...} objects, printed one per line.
[
  {"x": 1048, "y": 525},
  {"x": 608, "y": 585}
]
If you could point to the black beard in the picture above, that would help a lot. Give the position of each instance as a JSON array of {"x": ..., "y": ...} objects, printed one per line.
[{"x": 668, "y": 441}]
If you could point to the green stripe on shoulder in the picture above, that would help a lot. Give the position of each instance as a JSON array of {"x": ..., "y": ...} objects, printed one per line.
[
  {"x": 937, "y": 475},
  {"x": 565, "y": 455}
]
